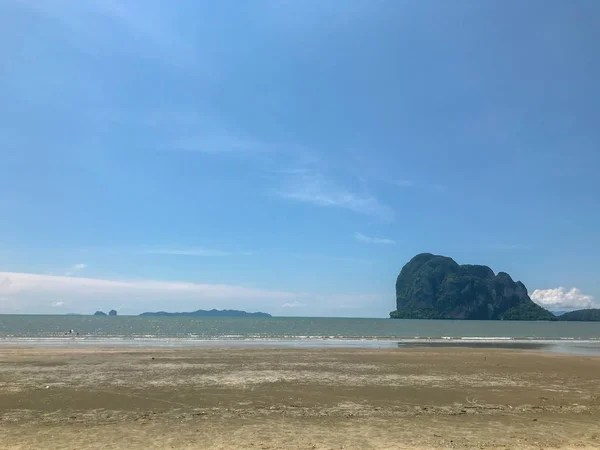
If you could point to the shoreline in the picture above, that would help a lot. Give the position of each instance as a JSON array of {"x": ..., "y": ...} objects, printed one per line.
[
  {"x": 589, "y": 347},
  {"x": 296, "y": 398}
]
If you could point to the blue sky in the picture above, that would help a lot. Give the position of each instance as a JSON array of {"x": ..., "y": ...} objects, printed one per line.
[{"x": 291, "y": 156}]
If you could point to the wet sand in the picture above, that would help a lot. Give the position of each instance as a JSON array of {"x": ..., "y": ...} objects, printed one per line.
[{"x": 297, "y": 399}]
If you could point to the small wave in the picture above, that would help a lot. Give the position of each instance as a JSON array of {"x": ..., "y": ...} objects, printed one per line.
[{"x": 484, "y": 338}]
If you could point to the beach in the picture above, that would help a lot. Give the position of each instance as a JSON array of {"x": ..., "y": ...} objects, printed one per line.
[{"x": 281, "y": 398}]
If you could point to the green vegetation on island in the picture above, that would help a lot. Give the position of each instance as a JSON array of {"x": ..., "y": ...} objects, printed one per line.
[
  {"x": 211, "y": 313},
  {"x": 436, "y": 287},
  {"x": 581, "y": 315}
]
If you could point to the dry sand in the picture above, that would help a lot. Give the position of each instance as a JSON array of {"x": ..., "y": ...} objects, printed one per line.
[{"x": 297, "y": 399}]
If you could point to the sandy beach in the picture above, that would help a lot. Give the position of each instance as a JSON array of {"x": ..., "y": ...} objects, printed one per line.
[{"x": 297, "y": 399}]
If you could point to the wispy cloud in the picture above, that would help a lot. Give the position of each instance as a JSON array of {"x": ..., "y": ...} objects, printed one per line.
[
  {"x": 561, "y": 298},
  {"x": 332, "y": 258},
  {"x": 206, "y": 132},
  {"x": 293, "y": 305},
  {"x": 404, "y": 183},
  {"x": 27, "y": 282},
  {"x": 373, "y": 240},
  {"x": 142, "y": 28},
  {"x": 36, "y": 293},
  {"x": 74, "y": 269},
  {"x": 175, "y": 250},
  {"x": 195, "y": 251},
  {"x": 220, "y": 145},
  {"x": 319, "y": 191},
  {"x": 293, "y": 171},
  {"x": 407, "y": 183},
  {"x": 501, "y": 246}
]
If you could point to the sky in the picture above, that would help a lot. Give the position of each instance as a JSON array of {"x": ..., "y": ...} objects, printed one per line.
[{"x": 291, "y": 156}]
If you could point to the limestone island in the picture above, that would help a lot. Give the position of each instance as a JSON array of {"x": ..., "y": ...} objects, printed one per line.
[{"x": 436, "y": 287}]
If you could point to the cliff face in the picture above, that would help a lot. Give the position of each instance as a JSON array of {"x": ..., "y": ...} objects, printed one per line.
[{"x": 436, "y": 287}]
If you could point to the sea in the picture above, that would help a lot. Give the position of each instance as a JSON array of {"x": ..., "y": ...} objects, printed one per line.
[{"x": 134, "y": 331}]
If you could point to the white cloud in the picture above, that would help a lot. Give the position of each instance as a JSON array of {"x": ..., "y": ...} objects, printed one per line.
[
  {"x": 57, "y": 304},
  {"x": 562, "y": 299},
  {"x": 26, "y": 282},
  {"x": 373, "y": 240},
  {"x": 36, "y": 293},
  {"x": 74, "y": 269},
  {"x": 293, "y": 305},
  {"x": 5, "y": 284},
  {"x": 322, "y": 192}
]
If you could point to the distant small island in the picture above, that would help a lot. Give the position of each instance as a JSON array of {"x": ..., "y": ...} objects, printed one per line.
[
  {"x": 112, "y": 312},
  {"x": 204, "y": 313},
  {"x": 581, "y": 315},
  {"x": 436, "y": 287}
]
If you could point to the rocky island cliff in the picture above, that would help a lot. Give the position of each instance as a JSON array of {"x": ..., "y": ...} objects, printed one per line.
[{"x": 436, "y": 287}]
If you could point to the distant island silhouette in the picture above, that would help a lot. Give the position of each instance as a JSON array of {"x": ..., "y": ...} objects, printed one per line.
[
  {"x": 112, "y": 312},
  {"x": 581, "y": 315},
  {"x": 204, "y": 313}
]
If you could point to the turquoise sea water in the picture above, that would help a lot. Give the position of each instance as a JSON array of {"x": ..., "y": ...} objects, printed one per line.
[{"x": 577, "y": 337}]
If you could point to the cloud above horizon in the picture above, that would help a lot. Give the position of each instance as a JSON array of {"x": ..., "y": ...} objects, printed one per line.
[
  {"x": 36, "y": 293},
  {"x": 373, "y": 240},
  {"x": 561, "y": 298},
  {"x": 293, "y": 305}
]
